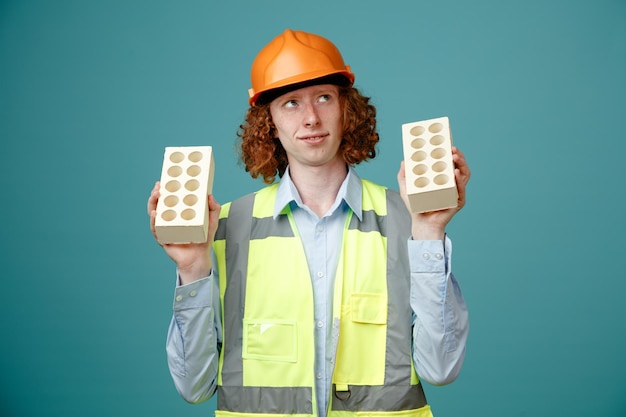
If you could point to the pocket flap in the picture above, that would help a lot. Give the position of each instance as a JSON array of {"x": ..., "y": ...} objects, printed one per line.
[
  {"x": 271, "y": 340},
  {"x": 369, "y": 308}
]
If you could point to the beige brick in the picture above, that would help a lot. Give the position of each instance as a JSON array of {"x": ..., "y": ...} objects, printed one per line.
[
  {"x": 186, "y": 181},
  {"x": 430, "y": 182}
]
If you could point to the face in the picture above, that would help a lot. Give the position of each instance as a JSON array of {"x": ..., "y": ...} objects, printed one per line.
[{"x": 309, "y": 126}]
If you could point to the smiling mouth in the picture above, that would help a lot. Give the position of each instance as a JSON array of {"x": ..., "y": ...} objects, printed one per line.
[{"x": 313, "y": 138}]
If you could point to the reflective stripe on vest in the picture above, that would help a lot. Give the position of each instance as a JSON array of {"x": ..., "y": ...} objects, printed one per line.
[{"x": 397, "y": 387}]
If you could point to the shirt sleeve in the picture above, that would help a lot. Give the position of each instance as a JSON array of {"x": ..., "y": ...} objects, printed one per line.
[
  {"x": 194, "y": 339},
  {"x": 440, "y": 317}
]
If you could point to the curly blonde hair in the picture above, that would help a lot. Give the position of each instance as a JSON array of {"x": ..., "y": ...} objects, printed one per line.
[{"x": 262, "y": 154}]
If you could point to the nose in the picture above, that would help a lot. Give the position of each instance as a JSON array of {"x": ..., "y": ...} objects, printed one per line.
[{"x": 311, "y": 117}]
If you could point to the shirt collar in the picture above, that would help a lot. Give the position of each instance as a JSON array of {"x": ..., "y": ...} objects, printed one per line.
[{"x": 350, "y": 192}]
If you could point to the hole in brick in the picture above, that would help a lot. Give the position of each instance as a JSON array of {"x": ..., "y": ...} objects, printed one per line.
[
  {"x": 418, "y": 143},
  {"x": 168, "y": 215},
  {"x": 177, "y": 157},
  {"x": 190, "y": 199},
  {"x": 192, "y": 185},
  {"x": 441, "y": 179},
  {"x": 418, "y": 156},
  {"x": 421, "y": 182},
  {"x": 420, "y": 169},
  {"x": 435, "y": 128},
  {"x": 438, "y": 153},
  {"x": 437, "y": 140},
  {"x": 174, "y": 171},
  {"x": 195, "y": 156},
  {"x": 188, "y": 214},
  {"x": 417, "y": 130},
  {"x": 194, "y": 170},
  {"x": 440, "y": 166},
  {"x": 172, "y": 186},
  {"x": 170, "y": 200}
]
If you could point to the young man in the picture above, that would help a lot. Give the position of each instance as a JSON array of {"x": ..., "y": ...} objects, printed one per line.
[{"x": 320, "y": 294}]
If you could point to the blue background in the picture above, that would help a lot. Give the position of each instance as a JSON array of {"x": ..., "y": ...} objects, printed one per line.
[{"x": 92, "y": 91}]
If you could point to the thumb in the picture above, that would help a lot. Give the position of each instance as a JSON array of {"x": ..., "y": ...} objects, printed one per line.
[{"x": 402, "y": 179}]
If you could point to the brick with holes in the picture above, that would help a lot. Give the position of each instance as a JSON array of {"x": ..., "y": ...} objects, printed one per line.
[
  {"x": 427, "y": 147},
  {"x": 186, "y": 181}
]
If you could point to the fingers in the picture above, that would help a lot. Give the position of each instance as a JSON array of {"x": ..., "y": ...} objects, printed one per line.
[
  {"x": 214, "y": 211},
  {"x": 402, "y": 185},
  {"x": 151, "y": 206},
  {"x": 152, "y": 224},
  {"x": 460, "y": 188},
  {"x": 461, "y": 165},
  {"x": 213, "y": 204},
  {"x": 401, "y": 176},
  {"x": 462, "y": 175},
  {"x": 154, "y": 198}
]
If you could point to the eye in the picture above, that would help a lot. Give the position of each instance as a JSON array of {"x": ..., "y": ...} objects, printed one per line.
[
  {"x": 290, "y": 104},
  {"x": 324, "y": 98}
]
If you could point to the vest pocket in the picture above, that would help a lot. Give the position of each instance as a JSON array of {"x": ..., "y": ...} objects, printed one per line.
[
  {"x": 368, "y": 308},
  {"x": 362, "y": 340},
  {"x": 270, "y": 340}
]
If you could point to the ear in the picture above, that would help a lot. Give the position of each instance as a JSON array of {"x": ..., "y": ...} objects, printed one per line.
[{"x": 273, "y": 131}]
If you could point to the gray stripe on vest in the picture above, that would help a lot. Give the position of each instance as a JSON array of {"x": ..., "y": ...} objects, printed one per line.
[
  {"x": 236, "y": 251},
  {"x": 220, "y": 233},
  {"x": 379, "y": 398},
  {"x": 372, "y": 222},
  {"x": 398, "y": 356},
  {"x": 266, "y": 400},
  {"x": 267, "y": 226}
]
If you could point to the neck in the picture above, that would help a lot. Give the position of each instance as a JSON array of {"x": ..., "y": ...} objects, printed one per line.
[{"x": 318, "y": 188}]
